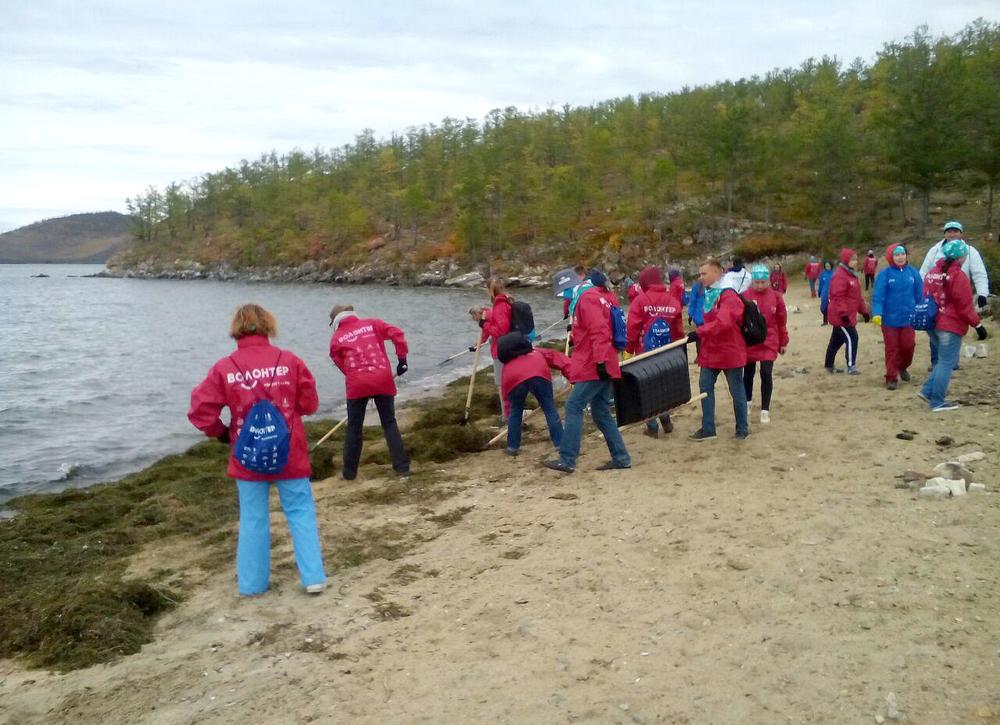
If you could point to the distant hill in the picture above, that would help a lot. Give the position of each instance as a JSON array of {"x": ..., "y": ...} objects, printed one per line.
[{"x": 94, "y": 237}]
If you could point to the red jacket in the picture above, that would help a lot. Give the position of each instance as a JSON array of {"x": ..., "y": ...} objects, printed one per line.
[
  {"x": 497, "y": 323},
  {"x": 771, "y": 303},
  {"x": 721, "y": 344},
  {"x": 535, "y": 364},
  {"x": 779, "y": 281},
  {"x": 284, "y": 380},
  {"x": 813, "y": 270},
  {"x": 956, "y": 313},
  {"x": 358, "y": 349},
  {"x": 677, "y": 287},
  {"x": 633, "y": 291},
  {"x": 592, "y": 337},
  {"x": 845, "y": 298},
  {"x": 871, "y": 264},
  {"x": 656, "y": 301}
]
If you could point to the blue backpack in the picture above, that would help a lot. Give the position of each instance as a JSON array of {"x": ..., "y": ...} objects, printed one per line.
[
  {"x": 657, "y": 335},
  {"x": 619, "y": 333},
  {"x": 924, "y": 314},
  {"x": 264, "y": 440}
]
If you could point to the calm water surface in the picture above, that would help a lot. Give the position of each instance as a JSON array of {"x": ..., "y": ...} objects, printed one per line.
[{"x": 96, "y": 374}]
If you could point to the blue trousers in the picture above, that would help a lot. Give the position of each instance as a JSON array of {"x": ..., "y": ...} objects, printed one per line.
[
  {"x": 706, "y": 383},
  {"x": 596, "y": 393},
  {"x": 948, "y": 346},
  {"x": 253, "y": 550},
  {"x": 542, "y": 390}
]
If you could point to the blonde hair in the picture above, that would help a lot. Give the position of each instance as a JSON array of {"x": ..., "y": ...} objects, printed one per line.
[
  {"x": 253, "y": 320},
  {"x": 711, "y": 262}
]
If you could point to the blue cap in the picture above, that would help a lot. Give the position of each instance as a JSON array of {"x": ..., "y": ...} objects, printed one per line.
[
  {"x": 955, "y": 249},
  {"x": 598, "y": 278},
  {"x": 760, "y": 271},
  {"x": 953, "y": 225}
]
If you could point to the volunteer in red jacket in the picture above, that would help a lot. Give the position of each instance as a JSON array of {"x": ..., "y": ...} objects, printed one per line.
[
  {"x": 654, "y": 302},
  {"x": 813, "y": 269},
  {"x": 952, "y": 292},
  {"x": 496, "y": 323},
  {"x": 871, "y": 266},
  {"x": 845, "y": 303},
  {"x": 778, "y": 279},
  {"x": 676, "y": 283},
  {"x": 526, "y": 370},
  {"x": 721, "y": 350},
  {"x": 357, "y": 347},
  {"x": 255, "y": 371},
  {"x": 772, "y": 304},
  {"x": 593, "y": 365}
]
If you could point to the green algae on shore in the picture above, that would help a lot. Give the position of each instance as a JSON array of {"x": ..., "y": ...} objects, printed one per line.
[{"x": 67, "y": 597}]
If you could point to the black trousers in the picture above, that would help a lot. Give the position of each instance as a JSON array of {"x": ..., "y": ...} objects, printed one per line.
[
  {"x": 354, "y": 438},
  {"x": 842, "y": 336},
  {"x": 869, "y": 280},
  {"x": 766, "y": 381}
]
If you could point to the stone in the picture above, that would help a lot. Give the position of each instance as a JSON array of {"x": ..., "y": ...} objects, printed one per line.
[
  {"x": 892, "y": 707},
  {"x": 945, "y": 440},
  {"x": 934, "y": 491},
  {"x": 468, "y": 280},
  {"x": 977, "y": 488},
  {"x": 953, "y": 470},
  {"x": 911, "y": 475},
  {"x": 971, "y": 457},
  {"x": 957, "y": 488},
  {"x": 904, "y": 436}
]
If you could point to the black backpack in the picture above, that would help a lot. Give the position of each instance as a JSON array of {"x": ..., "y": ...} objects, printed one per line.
[
  {"x": 512, "y": 345},
  {"x": 521, "y": 317},
  {"x": 754, "y": 326}
]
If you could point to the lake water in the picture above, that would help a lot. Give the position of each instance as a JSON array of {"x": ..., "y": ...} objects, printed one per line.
[{"x": 96, "y": 374}]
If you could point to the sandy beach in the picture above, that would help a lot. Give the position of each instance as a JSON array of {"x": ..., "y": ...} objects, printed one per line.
[{"x": 785, "y": 578}]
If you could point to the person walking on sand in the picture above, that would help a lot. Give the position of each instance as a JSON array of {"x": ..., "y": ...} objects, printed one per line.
[
  {"x": 951, "y": 290},
  {"x": 495, "y": 323},
  {"x": 655, "y": 319},
  {"x": 871, "y": 265},
  {"x": 526, "y": 370},
  {"x": 593, "y": 365},
  {"x": 812, "y": 272},
  {"x": 973, "y": 266},
  {"x": 771, "y": 303},
  {"x": 259, "y": 371},
  {"x": 824, "y": 289},
  {"x": 357, "y": 348},
  {"x": 778, "y": 279},
  {"x": 898, "y": 289},
  {"x": 846, "y": 302},
  {"x": 721, "y": 350}
]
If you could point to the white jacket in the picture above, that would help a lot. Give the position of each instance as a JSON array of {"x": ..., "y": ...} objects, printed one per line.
[
  {"x": 972, "y": 266},
  {"x": 739, "y": 281}
]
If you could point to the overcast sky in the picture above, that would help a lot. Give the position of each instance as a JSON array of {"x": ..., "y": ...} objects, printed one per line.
[{"x": 99, "y": 99}]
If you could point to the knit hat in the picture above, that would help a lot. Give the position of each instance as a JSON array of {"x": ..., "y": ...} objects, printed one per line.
[
  {"x": 899, "y": 249},
  {"x": 599, "y": 278},
  {"x": 953, "y": 225},
  {"x": 955, "y": 249},
  {"x": 760, "y": 271},
  {"x": 812, "y": 258}
]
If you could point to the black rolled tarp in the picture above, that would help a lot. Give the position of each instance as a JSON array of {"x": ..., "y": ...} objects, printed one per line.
[{"x": 652, "y": 386}]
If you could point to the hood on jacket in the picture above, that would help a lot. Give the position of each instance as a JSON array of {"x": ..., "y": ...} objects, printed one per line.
[
  {"x": 650, "y": 276},
  {"x": 845, "y": 255},
  {"x": 889, "y": 255},
  {"x": 341, "y": 316}
]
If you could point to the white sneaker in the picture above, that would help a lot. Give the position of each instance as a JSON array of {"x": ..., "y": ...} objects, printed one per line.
[
  {"x": 315, "y": 588},
  {"x": 765, "y": 416}
]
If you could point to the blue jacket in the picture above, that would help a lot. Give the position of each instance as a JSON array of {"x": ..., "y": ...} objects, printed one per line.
[
  {"x": 824, "y": 289},
  {"x": 896, "y": 292},
  {"x": 696, "y": 304}
]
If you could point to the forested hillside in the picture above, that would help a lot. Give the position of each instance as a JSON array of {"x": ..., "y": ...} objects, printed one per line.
[
  {"x": 74, "y": 238},
  {"x": 822, "y": 153}
]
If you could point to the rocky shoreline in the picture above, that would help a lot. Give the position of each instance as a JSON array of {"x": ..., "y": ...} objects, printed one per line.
[{"x": 441, "y": 274}]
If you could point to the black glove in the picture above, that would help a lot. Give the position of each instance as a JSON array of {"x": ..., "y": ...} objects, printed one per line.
[
  {"x": 401, "y": 366},
  {"x": 981, "y": 300},
  {"x": 866, "y": 316},
  {"x": 566, "y": 316},
  {"x": 569, "y": 328},
  {"x": 472, "y": 348},
  {"x": 981, "y": 332},
  {"x": 693, "y": 336},
  {"x": 223, "y": 437},
  {"x": 481, "y": 323},
  {"x": 602, "y": 371}
]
